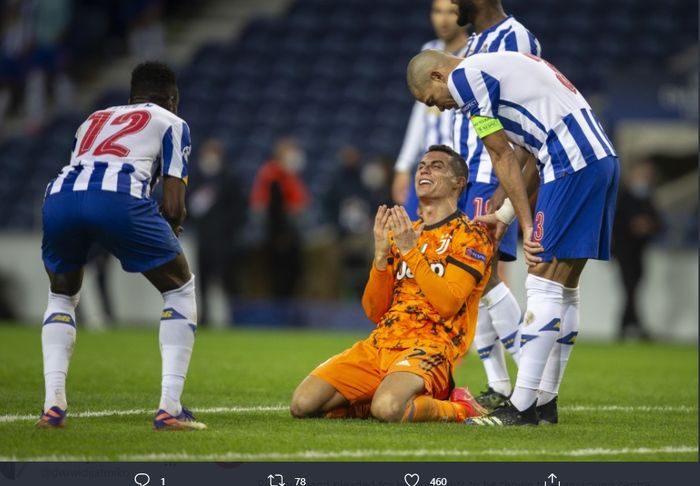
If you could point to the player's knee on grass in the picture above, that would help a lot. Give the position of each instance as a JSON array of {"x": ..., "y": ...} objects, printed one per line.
[
  {"x": 304, "y": 405},
  {"x": 388, "y": 407}
]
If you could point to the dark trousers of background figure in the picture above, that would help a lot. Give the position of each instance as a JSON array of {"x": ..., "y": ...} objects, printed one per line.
[
  {"x": 215, "y": 265},
  {"x": 632, "y": 269}
]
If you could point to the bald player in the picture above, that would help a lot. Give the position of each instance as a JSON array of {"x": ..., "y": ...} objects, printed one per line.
[{"x": 519, "y": 99}]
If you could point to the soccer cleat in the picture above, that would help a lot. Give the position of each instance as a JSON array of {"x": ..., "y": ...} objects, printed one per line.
[
  {"x": 471, "y": 407},
  {"x": 507, "y": 416},
  {"x": 53, "y": 418},
  {"x": 547, "y": 413},
  {"x": 491, "y": 399},
  {"x": 184, "y": 421}
]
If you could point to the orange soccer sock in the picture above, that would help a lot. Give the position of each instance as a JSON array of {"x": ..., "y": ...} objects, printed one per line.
[
  {"x": 359, "y": 410},
  {"x": 428, "y": 409}
]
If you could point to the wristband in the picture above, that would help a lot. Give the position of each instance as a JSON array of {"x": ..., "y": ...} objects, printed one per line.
[{"x": 506, "y": 213}]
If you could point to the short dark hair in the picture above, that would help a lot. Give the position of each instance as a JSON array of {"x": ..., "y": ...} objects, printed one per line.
[
  {"x": 154, "y": 81},
  {"x": 456, "y": 162}
]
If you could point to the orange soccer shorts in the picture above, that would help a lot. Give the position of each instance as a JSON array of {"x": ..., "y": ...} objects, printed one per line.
[{"x": 357, "y": 372}]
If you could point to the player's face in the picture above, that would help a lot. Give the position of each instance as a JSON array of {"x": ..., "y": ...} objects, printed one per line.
[
  {"x": 444, "y": 18},
  {"x": 434, "y": 177},
  {"x": 437, "y": 94},
  {"x": 465, "y": 9}
]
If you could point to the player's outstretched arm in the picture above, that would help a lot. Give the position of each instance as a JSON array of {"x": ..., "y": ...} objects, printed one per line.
[{"x": 173, "y": 207}]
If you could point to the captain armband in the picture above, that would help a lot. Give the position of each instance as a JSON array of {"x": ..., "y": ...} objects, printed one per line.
[
  {"x": 506, "y": 213},
  {"x": 485, "y": 125}
]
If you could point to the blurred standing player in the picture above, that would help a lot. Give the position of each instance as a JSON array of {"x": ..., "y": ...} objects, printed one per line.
[
  {"x": 520, "y": 99},
  {"x": 499, "y": 312},
  {"x": 102, "y": 196},
  {"x": 423, "y": 291},
  {"x": 427, "y": 126}
]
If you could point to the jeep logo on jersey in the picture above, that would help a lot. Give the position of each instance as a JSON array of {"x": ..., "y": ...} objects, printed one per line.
[{"x": 405, "y": 272}]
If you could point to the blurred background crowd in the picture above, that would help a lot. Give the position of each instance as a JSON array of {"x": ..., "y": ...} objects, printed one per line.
[{"x": 298, "y": 109}]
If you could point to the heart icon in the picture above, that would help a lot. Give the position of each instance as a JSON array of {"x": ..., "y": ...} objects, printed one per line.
[{"x": 411, "y": 479}]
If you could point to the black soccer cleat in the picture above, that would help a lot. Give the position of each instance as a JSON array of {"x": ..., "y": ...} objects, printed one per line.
[
  {"x": 507, "y": 416},
  {"x": 491, "y": 399},
  {"x": 547, "y": 413}
]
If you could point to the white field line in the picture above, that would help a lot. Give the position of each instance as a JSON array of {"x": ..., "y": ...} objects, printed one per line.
[
  {"x": 285, "y": 408},
  {"x": 233, "y": 456},
  {"x": 143, "y": 411}
]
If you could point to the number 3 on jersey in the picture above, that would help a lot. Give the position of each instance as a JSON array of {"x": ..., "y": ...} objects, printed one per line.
[
  {"x": 538, "y": 233},
  {"x": 135, "y": 120}
]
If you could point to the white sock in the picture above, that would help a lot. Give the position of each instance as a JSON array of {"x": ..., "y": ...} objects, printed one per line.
[
  {"x": 541, "y": 326},
  {"x": 505, "y": 317},
  {"x": 559, "y": 357},
  {"x": 57, "y": 342},
  {"x": 178, "y": 324},
  {"x": 491, "y": 353}
]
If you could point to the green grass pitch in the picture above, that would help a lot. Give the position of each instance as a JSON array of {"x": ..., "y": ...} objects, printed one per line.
[{"x": 618, "y": 403}]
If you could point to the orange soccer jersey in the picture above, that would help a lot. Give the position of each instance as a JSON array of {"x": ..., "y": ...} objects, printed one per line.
[{"x": 430, "y": 296}]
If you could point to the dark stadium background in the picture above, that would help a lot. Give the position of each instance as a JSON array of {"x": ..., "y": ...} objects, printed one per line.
[{"x": 332, "y": 74}]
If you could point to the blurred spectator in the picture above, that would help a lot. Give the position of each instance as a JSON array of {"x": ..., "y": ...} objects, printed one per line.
[
  {"x": 15, "y": 41},
  {"x": 636, "y": 222},
  {"x": 347, "y": 200},
  {"x": 349, "y": 206},
  {"x": 48, "y": 61},
  {"x": 217, "y": 210},
  {"x": 146, "y": 37},
  {"x": 279, "y": 197},
  {"x": 376, "y": 176}
]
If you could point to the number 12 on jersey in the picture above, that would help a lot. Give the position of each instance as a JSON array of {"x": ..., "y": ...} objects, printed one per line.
[{"x": 135, "y": 122}]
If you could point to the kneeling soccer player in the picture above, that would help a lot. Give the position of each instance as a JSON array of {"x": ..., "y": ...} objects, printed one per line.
[{"x": 423, "y": 293}]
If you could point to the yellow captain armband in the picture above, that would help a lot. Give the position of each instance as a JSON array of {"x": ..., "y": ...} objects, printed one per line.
[{"x": 485, "y": 126}]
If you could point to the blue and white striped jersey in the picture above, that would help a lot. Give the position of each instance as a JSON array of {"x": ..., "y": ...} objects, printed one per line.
[
  {"x": 538, "y": 107},
  {"x": 427, "y": 126},
  {"x": 126, "y": 149},
  {"x": 507, "y": 35}
]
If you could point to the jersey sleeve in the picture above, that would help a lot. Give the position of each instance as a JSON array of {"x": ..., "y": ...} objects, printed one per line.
[
  {"x": 447, "y": 294},
  {"x": 476, "y": 92},
  {"x": 521, "y": 40},
  {"x": 175, "y": 151},
  {"x": 472, "y": 251},
  {"x": 377, "y": 296}
]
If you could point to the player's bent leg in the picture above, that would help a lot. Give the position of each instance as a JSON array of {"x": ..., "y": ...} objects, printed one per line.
[
  {"x": 402, "y": 397},
  {"x": 57, "y": 341},
  {"x": 178, "y": 325},
  {"x": 171, "y": 275},
  {"x": 395, "y": 394},
  {"x": 315, "y": 397}
]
